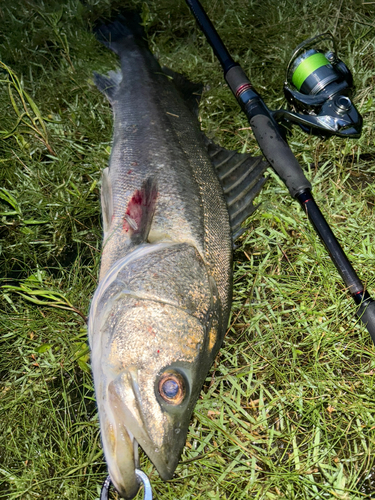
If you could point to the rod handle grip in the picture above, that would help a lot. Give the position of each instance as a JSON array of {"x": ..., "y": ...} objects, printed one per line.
[{"x": 278, "y": 153}]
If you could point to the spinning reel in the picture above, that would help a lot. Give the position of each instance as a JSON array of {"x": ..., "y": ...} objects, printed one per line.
[{"x": 318, "y": 88}]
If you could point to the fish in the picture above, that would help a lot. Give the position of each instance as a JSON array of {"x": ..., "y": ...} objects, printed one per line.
[{"x": 172, "y": 207}]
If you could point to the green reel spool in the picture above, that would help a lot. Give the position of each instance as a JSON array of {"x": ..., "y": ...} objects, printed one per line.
[{"x": 306, "y": 65}]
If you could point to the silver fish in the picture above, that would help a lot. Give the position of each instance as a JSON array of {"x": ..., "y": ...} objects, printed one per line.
[{"x": 159, "y": 314}]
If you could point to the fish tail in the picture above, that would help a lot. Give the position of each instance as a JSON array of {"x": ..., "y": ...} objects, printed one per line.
[{"x": 117, "y": 34}]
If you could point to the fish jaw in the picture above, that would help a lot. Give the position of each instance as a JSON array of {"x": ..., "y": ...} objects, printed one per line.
[
  {"x": 124, "y": 427},
  {"x": 120, "y": 450}
]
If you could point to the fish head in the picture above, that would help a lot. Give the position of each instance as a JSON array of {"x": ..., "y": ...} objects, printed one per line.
[
  {"x": 149, "y": 361},
  {"x": 150, "y": 385}
]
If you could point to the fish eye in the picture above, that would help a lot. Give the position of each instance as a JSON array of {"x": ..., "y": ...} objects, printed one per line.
[{"x": 172, "y": 387}]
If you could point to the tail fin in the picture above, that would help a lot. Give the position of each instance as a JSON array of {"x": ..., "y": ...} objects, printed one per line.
[{"x": 115, "y": 34}]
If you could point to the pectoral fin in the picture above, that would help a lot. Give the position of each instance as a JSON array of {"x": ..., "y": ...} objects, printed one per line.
[
  {"x": 108, "y": 84},
  {"x": 139, "y": 212},
  {"x": 107, "y": 201}
]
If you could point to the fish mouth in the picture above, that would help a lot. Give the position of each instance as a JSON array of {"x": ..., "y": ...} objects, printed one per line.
[
  {"x": 121, "y": 452},
  {"x": 124, "y": 427}
]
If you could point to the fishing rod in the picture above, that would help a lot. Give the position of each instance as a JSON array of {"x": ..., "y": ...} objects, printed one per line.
[{"x": 318, "y": 89}]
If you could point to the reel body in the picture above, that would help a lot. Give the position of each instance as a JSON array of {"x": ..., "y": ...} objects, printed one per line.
[{"x": 318, "y": 89}]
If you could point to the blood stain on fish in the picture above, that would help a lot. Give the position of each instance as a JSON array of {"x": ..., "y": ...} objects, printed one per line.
[
  {"x": 139, "y": 206},
  {"x": 134, "y": 211}
]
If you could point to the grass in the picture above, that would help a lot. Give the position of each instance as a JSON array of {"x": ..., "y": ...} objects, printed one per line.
[{"x": 288, "y": 409}]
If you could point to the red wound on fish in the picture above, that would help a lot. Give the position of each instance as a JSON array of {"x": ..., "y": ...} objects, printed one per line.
[{"x": 140, "y": 210}]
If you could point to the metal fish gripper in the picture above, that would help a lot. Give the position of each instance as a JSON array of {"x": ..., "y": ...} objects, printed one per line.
[{"x": 142, "y": 478}]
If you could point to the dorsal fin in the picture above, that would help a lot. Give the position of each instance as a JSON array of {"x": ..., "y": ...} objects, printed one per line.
[
  {"x": 241, "y": 177},
  {"x": 190, "y": 92}
]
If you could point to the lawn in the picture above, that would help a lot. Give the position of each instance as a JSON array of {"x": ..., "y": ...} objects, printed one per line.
[{"x": 288, "y": 408}]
